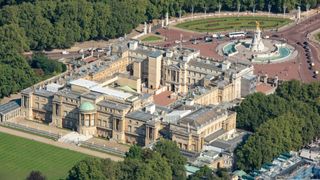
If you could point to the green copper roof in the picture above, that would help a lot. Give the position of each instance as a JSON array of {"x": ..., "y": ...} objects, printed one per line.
[
  {"x": 87, "y": 106},
  {"x": 127, "y": 88}
]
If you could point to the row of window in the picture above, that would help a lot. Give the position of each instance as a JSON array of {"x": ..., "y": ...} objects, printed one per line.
[
  {"x": 108, "y": 110},
  {"x": 41, "y": 99},
  {"x": 71, "y": 100},
  {"x": 213, "y": 128},
  {"x": 11, "y": 115}
]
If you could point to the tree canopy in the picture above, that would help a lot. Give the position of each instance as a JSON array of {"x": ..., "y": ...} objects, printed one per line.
[
  {"x": 282, "y": 122},
  {"x": 139, "y": 163}
]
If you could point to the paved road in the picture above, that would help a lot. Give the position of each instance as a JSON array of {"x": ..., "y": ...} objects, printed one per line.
[
  {"x": 59, "y": 144},
  {"x": 299, "y": 33}
]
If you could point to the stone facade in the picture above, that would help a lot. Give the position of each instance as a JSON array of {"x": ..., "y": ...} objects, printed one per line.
[{"x": 119, "y": 90}]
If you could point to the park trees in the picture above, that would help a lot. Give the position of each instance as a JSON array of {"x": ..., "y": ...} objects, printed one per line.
[
  {"x": 170, "y": 151},
  {"x": 138, "y": 164},
  {"x": 207, "y": 173},
  {"x": 90, "y": 168},
  {"x": 285, "y": 121}
]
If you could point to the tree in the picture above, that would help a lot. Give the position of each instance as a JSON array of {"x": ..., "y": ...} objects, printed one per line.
[
  {"x": 135, "y": 152},
  {"x": 258, "y": 108},
  {"x": 36, "y": 175},
  {"x": 206, "y": 173},
  {"x": 110, "y": 169},
  {"x": 90, "y": 168},
  {"x": 170, "y": 151}
]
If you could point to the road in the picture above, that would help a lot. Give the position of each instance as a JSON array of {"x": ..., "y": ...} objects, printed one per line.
[
  {"x": 59, "y": 144},
  {"x": 299, "y": 33}
]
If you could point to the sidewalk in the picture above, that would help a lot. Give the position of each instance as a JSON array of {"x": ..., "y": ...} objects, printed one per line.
[{"x": 59, "y": 144}]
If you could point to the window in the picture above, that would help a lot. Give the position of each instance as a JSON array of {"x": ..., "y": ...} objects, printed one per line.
[
  {"x": 65, "y": 113},
  {"x": 86, "y": 123},
  {"x": 37, "y": 105},
  {"x": 99, "y": 122},
  {"x": 92, "y": 122},
  {"x": 129, "y": 128}
]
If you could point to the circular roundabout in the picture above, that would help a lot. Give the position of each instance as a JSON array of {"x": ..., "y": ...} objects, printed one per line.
[{"x": 257, "y": 49}]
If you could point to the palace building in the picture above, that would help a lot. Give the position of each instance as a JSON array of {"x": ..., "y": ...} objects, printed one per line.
[{"x": 115, "y": 96}]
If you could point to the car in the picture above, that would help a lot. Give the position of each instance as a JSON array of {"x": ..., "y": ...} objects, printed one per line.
[
  {"x": 299, "y": 43},
  {"x": 158, "y": 33},
  {"x": 305, "y": 43},
  {"x": 177, "y": 42},
  {"x": 65, "y": 52},
  {"x": 99, "y": 50},
  {"x": 208, "y": 39},
  {"x": 214, "y": 35}
]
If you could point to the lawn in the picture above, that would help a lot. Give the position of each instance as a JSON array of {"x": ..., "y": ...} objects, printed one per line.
[
  {"x": 18, "y": 156},
  {"x": 232, "y": 23},
  {"x": 151, "y": 38}
]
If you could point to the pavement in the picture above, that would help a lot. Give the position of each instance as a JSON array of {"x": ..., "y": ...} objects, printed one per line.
[{"x": 59, "y": 144}]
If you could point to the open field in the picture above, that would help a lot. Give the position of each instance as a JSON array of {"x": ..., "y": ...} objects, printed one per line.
[
  {"x": 151, "y": 38},
  {"x": 232, "y": 23},
  {"x": 18, "y": 156}
]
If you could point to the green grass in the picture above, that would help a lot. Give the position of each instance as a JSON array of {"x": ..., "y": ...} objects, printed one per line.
[
  {"x": 19, "y": 156},
  {"x": 151, "y": 38},
  {"x": 232, "y": 23}
]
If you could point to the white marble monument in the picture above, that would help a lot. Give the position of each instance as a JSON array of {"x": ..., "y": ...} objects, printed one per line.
[{"x": 257, "y": 44}]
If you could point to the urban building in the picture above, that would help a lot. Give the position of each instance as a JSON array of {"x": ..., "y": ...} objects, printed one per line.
[{"x": 115, "y": 96}]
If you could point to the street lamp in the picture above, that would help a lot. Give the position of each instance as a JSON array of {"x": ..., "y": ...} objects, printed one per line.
[
  {"x": 238, "y": 7},
  {"x": 205, "y": 10},
  {"x": 219, "y": 7},
  {"x": 192, "y": 8},
  {"x": 269, "y": 9},
  {"x": 308, "y": 7},
  {"x": 284, "y": 10}
]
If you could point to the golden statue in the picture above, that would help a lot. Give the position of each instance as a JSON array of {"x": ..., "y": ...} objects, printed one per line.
[{"x": 257, "y": 25}]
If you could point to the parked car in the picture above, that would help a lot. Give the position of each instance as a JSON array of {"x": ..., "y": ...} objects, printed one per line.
[{"x": 65, "y": 52}]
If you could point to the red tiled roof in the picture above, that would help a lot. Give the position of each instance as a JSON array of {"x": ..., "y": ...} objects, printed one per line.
[{"x": 163, "y": 99}]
